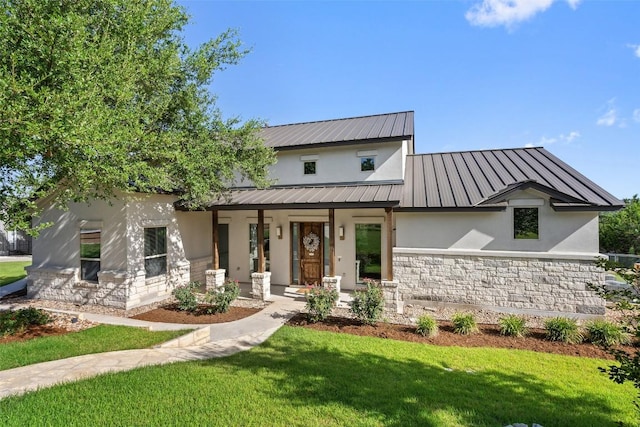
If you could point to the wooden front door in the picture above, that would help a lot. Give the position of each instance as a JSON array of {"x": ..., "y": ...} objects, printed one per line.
[{"x": 311, "y": 253}]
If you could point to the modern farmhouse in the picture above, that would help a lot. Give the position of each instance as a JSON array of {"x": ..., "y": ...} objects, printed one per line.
[{"x": 351, "y": 200}]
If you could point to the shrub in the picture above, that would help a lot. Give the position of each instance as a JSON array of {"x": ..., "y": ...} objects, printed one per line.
[
  {"x": 12, "y": 322},
  {"x": 320, "y": 301},
  {"x": 427, "y": 326},
  {"x": 464, "y": 323},
  {"x": 563, "y": 329},
  {"x": 186, "y": 296},
  {"x": 221, "y": 299},
  {"x": 367, "y": 305},
  {"x": 513, "y": 325},
  {"x": 606, "y": 333}
]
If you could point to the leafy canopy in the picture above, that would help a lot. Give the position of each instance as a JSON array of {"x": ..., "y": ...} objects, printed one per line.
[
  {"x": 100, "y": 96},
  {"x": 620, "y": 231}
]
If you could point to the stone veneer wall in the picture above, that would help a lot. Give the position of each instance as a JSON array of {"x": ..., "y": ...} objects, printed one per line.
[
  {"x": 63, "y": 284},
  {"x": 118, "y": 289},
  {"x": 540, "y": 281},
  {"x": 198, "y": 268}
]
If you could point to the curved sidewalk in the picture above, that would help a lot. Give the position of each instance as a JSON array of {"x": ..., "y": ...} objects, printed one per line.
[{"x": 223, "y": 339}]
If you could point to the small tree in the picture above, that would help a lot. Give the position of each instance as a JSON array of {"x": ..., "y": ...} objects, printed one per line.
[
  {"x": 625, "y": 301},
  {"x": 620, "y": 231}
]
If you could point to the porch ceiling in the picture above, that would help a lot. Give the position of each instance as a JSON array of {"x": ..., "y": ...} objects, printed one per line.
[{"x": 311, "y": 197}]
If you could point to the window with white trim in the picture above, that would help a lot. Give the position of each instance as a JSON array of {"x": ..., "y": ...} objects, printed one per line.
[
  {"x": 155, "y": 251},
  {"x": 89, "y": 254}
]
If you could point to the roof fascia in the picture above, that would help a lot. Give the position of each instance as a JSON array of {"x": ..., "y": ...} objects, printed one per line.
[
  {"x": 342, "y": 143},
  {"x": 531, "y": 184}
]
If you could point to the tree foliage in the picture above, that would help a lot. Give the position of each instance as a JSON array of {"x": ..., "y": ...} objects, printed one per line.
[
  {"x": 620, "y": 231},
  {"x": 99, "y": 96},
  {"x": 627, "y": 302}
]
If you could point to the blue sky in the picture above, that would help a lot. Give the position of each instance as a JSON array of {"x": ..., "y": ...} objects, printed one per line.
[{"x": 479, "y": 74}]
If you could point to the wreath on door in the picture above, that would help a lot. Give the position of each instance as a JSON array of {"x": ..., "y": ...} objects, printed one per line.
[{"x": 311, "y": 242}]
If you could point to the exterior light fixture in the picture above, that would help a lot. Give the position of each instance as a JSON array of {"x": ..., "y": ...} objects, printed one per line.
[
  {"x": 341, "y": 232},
  {"x": 279, "y": 232}
]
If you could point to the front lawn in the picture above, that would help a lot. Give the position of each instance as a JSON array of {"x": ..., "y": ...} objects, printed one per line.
[
  {"x": 304, "y": 377},
  {"x": 12, "y": 271},
  {"x": 93, "y": 340}
]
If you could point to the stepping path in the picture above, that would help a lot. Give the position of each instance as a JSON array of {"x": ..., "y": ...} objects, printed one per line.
[{"x": 218, "y": 340}]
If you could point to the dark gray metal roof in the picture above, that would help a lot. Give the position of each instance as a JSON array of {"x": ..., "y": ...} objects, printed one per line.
[
  {"x": 484, "y": 179},
  {"x": 312, "y": 197},
  {"x": 382, "y": 127}
]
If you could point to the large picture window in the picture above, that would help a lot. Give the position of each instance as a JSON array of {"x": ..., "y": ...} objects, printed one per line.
[
  {"x": 89, "y": 254},
  {"x": 368, "y": 251},
  {"x": 155, "y": 251},
  {"x": 525, "y": 223}
]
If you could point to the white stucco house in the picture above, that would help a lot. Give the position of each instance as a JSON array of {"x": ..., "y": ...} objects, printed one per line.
[{"x": 510, "y": 228}]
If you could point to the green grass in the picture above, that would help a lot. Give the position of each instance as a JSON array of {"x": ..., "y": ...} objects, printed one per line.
[
  {"x": 301, "y": 377},
  {"x": 12, "y": 271},
  {"x": 93, "y": 340}
]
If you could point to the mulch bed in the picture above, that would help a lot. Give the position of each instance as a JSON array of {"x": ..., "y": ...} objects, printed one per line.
[
  {"x": 171, "y": 314},
  {"x": 489, "y": 336},
  {"x": 33, "y": 331}
]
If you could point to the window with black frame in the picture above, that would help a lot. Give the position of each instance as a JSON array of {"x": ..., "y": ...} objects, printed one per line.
[
  {"x": 525, "y": 223},
  {"x": 89, "y": 254},
  {"x": 155, "y": 251}
]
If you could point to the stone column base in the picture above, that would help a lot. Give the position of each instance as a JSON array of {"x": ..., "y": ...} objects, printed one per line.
[
  {"x": 214, "y": 279},
  {"x": 261, "y": 285},
  {"x": 391, "y": 296},
  {"x": 332, "y": 282}
]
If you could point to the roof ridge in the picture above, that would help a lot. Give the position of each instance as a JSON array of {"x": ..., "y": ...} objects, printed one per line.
[{"x": 341, "y": 119}]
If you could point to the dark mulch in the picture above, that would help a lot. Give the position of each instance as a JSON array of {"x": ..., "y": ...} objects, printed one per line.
[
  {"x": 171, "y": 314},
  {"x": 33, "y": 331},
  {"x": 489, "y": 336}
]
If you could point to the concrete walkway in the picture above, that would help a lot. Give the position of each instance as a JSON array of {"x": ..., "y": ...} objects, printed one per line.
[{"x": 217, "y": 340}]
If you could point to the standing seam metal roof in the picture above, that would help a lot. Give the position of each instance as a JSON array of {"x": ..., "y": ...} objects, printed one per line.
[
  {"x": 478, "y": 178},
  {"x": 340, "y": 131}
]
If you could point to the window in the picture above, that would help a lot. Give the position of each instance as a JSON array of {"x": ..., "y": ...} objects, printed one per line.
[
  {"x": 368, "y": 251},
  {"x": 525, "y": 223},
  {"x": 89, "y": 254},
  {"x": 310, "y": 168},
  {"x": 367, "y": 164},
  {"x": 253, "y": 248},
  {"x": 155, "y": 251}
]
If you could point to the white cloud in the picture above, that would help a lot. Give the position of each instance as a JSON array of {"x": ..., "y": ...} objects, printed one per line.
[
  {"x": 545, "y": 140},
  {"x": 610, "y": 117},
  {"x": 570, "y": 137},
  {"x": 636, "y": 49},
  {"x": 493, "y": 13},
  {"x": 636, "y": 115}
]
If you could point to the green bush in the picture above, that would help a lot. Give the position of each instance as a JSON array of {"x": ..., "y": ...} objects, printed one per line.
[
  {"x": 606, "y": 333},
  {"x": 367, "y": 305},
  {"x": 464, "y": 323},
  {"x": 563, "y": 329},
  {"x": 427, "y": 326},
  {"x": 320, "y": 301},
  {"x": 220, "y": 299},
  {"x": 513, "y": 325},
  {"x": 12, "y": 322},
  {"x": 186, "y": 296}
]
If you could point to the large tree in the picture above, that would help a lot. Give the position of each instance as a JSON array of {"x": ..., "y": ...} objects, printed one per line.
[
  {"x": 620, "y": 231},
  {"x": 99, "y": 96}
]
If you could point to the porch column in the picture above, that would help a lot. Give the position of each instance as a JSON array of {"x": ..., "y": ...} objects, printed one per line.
[
  {"x": 332, "y": 243},
  {"x": 261, "y": 280},
  {"x": 390, "y": 292},
  {"x": 214, "y": 240},
  {"x": 332, "y": 281},
  {"x": 389, "y": 221},
  {"x": 261, "y": 261},
  {"x": 214, "y": 278}
]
